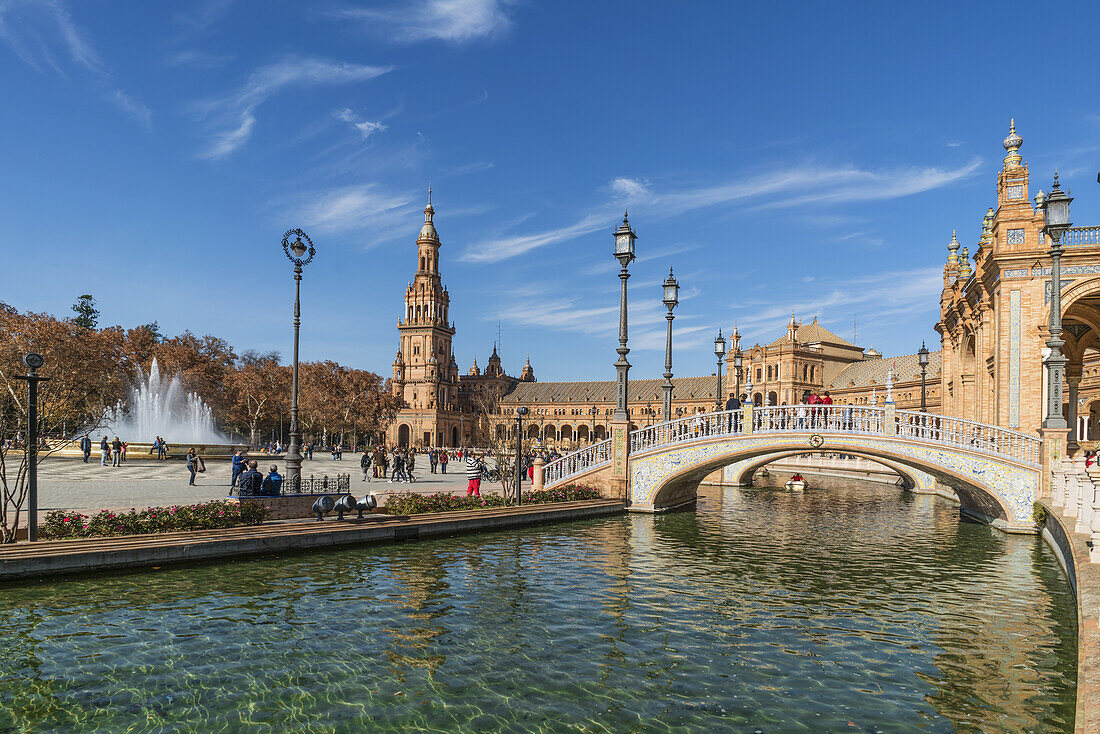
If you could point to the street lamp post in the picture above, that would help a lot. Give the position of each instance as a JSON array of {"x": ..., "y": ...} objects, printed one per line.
[
  {"x": 593, "y": 412},
  {"x": 624, "y": 253},
  {"x": 737, "y": 372},
  {"x": 1056, "y": 215},
  {"x": 922, "y": 358},
  {"x": 671, "y": 299},
  {"x": 296, "y": 251},
  {"x": 520, "y": 412},
  {"x": 33, "y": 362},
  {"x": 719, "y": 352}
]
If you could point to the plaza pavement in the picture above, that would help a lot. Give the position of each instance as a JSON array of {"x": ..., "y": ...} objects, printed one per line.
[{"x": 70, "y": 484}]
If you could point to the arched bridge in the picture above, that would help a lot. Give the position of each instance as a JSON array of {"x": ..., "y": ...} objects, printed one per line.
[{"x": 994, "y": 471}]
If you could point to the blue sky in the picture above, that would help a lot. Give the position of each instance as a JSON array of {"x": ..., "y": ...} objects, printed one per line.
[{"x": 808, "y": 157}]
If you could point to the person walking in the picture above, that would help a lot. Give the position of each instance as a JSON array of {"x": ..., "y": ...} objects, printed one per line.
[
  {"x": 443, "y": 459},
  {"x": 433, "y": 458},
  {"x": 309, "y": 451},
  {"x": 104, "y": 452},
  {"x": 192, "y": 464},
  {"x": 364, "y": 464},
  {"x": 86, "y": 447},
  {"x": 124, "y": 447},
  {"x": 474, "y": 470},
  {"x": 410, "y": 464},
  {"x": 161, "y": 448},
  {"x": 116, "y": 452},
  {"x": 238, "y": 466}
]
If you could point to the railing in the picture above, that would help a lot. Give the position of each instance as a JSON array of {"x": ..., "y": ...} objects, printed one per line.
[
  {"x": 339, "y": 484},
  {"x": 1076, "y": 237},
  {"x": 578, "y": 462},
  {"x": 845, "y": 419}
]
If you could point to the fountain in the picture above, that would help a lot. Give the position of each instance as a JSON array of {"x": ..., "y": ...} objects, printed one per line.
[
  {"x": 162, "y": 408},
  {"x": 159, "y": 407}
]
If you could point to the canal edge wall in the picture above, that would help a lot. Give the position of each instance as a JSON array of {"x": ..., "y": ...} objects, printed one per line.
[
  {"x": 73, "y": 558},
  {"x": 1072, "y": 551}
]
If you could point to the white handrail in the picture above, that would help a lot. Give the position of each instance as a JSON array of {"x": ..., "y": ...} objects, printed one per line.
[
  {"x": 577, "y": 462},
  {"x": 810, "y": 419}
]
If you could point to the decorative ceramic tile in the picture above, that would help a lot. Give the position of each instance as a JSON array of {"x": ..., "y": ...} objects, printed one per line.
[
  {"x": 1014, "y": 319},
  {"x": 1015, "y": 236},
  {"x": 1014, "y": 487},
  {"x": 1018, "y": 273},
  {"x": 1014, "y": 192}
]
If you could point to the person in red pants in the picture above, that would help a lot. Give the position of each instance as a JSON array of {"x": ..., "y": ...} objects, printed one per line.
[{"x": 474, "y": 469}]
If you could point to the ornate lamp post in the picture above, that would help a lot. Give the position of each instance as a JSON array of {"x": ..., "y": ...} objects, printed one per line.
[
  {"x": 922, "y": 358},
  {"x": 520, "y": 412},
  {"x": 737, "y": 372},
  {"x": 624, "y": 253},
  {"x": 671, "y": 298},
  {"x": 296, "y": 251},
  {"x": 33, "y": 362},
  {"x": 719, "y": 352},
  {"x": 1056, "y": 214}
]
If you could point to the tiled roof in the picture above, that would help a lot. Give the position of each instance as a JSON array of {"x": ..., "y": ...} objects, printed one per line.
[
  {"x": 870, "y": 371},
  {"x": 813, "y": 333},
  {"x": 603, "y": 391}
]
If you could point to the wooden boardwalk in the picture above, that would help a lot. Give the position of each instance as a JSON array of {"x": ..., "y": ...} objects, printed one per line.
[{"x": 25, "y": 561}]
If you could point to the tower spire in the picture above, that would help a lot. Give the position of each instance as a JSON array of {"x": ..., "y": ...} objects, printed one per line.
[{"x": 1012, "y": 144}]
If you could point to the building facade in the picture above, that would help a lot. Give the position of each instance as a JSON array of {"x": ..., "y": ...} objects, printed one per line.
[{"x": 995, "y": 312}]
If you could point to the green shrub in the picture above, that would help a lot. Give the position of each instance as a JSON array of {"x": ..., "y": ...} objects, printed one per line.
[
  {"x": 205, "y": 516},
  {"x": 1039, "y": 513},
  {"x": 413, "y": 504}
]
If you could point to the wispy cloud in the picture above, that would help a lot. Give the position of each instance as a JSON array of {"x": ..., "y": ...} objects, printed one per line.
[
  {"x": 35, "y": 29},
  {"x": 368, "y": 208},
  {"x": 235, "y": 115},
  {"x": 783, "y": 188},
  {"x": 198, "y": 59},
  {"x": 203, "y": 15},
  {"x": 877, "y": 297},
  {"x": 133, "y": 107},
  {"x": 366, "y": 128},
  {"x": 454, "y": 21}
]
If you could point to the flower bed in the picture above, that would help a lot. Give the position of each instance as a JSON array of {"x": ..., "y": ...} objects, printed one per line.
[
  {"x": 205, "y": 516},
  {"x": 412, "y": 504}
]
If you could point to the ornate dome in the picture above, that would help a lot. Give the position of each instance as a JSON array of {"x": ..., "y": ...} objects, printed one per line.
[{"x": 427, "y": 232}]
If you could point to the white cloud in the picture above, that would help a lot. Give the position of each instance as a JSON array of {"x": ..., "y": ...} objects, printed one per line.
[
  {"x": 133, "y": 107},
  {"x": 33, "y": 28},
  {"x": 366, "y": 128},
  {"x": 455, "y": 21},
  {"x": 783, "y": 188},
  {"x": 235, "y": 114},
  {"x": 366, "y": 208}
]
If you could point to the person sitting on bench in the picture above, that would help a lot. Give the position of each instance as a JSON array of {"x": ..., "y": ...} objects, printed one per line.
[
  {"x": 273, "y": 482},
  {"x": 251, "y": 481}
]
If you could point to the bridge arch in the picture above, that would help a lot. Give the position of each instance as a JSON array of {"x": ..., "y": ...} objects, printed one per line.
[
  {"x": 663, "y": 480},
  {"x": 746, "y": 468}
]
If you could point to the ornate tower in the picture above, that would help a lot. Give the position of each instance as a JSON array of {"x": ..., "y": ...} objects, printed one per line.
[
  {"x": 424, "y": 372},
  {"x": 528, "y": 374}
]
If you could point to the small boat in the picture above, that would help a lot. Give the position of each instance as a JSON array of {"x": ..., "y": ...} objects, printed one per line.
[{"x": 796, "y": 483}]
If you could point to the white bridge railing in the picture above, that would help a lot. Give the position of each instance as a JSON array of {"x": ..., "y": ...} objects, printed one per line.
[
  {"x": 846, "y": 419},
  {"x": 823, "y": 419},
  {"x": 578, "y": 462}
]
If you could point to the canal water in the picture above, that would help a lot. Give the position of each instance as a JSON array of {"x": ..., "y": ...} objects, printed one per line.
[{"x": 856, "y": 608}]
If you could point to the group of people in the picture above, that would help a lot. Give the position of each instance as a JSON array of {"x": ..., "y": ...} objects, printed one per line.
[
  {"x": 109, "y": 451},
  {"x": 376, "y": 463}
]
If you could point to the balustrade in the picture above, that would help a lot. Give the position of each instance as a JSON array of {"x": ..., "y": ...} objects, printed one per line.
[{"x": 836, "y": 419}]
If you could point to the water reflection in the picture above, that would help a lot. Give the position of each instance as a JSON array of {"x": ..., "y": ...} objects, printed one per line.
[{"x": 851, "y": 608}]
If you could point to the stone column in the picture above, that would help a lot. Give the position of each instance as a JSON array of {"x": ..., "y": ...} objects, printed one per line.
[
  {"x": 620, "y": 460},
  {"x": 1052, "y": 451},
  {"x": 1085, "y": 496},
  {"x": 890, "y": 419},
  {"x": 1073, "y": 378},
  {"x": 1094, "y": 527},
  {"x": 539, "y": 477}
]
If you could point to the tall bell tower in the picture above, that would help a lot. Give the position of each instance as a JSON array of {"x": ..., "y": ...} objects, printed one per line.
[{"x": 425, "y": 373}]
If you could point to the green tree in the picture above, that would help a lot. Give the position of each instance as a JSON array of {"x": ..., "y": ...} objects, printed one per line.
[
  {"x": 87, "y": 316},
  {"x": 154, "y": 331}
]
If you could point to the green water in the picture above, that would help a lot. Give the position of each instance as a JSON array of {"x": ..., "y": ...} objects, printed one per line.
[{"x": 852, "y": 609}]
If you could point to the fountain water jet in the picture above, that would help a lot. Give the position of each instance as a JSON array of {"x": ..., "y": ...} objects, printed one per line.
[{"x": 159, "y": 407}]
